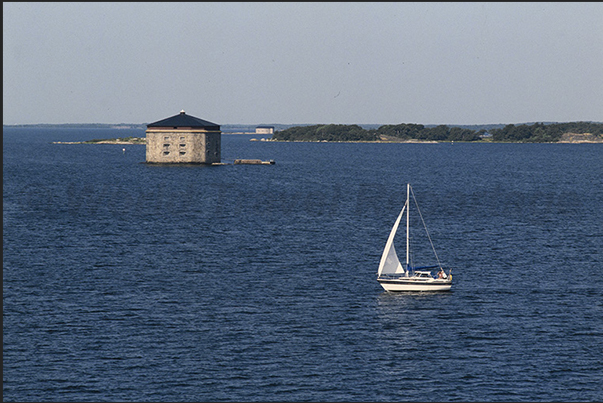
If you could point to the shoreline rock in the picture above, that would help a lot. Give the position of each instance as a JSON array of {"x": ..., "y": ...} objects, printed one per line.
[{"x": 580, "y": 138}]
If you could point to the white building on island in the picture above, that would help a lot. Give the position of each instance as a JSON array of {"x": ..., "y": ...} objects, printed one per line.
[{"x": 264, "y": 130}]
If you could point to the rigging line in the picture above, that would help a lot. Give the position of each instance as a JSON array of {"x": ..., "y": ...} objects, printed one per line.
[{"x": 425, "y": 226}]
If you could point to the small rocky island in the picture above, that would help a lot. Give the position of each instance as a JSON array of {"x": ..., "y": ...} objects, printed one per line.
[{"x": 123, "y": 140}]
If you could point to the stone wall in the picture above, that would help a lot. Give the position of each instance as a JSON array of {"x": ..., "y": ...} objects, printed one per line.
[{"x": 183, "y": 146}]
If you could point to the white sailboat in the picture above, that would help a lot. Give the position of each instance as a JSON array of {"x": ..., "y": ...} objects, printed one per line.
[{"x": 393, "y": 276}]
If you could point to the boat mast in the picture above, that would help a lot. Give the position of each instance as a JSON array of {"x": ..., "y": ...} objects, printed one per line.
[{"x": 407, "y": 222}]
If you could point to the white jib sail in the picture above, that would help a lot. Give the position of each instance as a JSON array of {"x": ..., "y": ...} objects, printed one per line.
[{"x": 389, "y": 260}]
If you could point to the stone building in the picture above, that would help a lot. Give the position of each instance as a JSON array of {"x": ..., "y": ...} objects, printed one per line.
[
  {"x": 183, "y": 139},
  {"x": 264, "y": 130}
]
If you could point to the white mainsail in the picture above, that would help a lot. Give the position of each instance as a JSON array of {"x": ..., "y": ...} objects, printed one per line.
[{"x": 389, "y": 260}]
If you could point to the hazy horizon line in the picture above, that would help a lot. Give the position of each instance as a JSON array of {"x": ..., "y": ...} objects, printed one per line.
[{"x": 305, "y": 124}]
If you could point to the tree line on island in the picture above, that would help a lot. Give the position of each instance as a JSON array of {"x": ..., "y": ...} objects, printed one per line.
[{"x": 535, "y": 133}]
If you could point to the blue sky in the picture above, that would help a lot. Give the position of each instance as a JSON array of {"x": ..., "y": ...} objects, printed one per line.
[{"x": 303, "y": 63}]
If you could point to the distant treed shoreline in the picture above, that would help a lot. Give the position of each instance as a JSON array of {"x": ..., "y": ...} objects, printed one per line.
[
  {"x": 571, "y": 132},
  {"x": 535, "y": 133}
]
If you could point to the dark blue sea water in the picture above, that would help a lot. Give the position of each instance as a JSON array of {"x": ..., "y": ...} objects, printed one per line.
[{"x": 124, "y": 281}]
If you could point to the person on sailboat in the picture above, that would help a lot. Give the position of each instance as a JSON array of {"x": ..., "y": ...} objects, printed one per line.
[{"x": 441, "y": 274}]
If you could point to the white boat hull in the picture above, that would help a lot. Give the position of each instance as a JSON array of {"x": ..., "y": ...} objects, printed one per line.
[
  {"x": 394, "y": 277},
  {"x": 409, "y": 284}
]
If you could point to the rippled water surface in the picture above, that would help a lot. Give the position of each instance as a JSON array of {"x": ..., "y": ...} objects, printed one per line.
[{"x": 129, "y": 282}]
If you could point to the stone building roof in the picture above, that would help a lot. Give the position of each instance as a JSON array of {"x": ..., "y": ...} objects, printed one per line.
[{"x": 184, "y": 120}]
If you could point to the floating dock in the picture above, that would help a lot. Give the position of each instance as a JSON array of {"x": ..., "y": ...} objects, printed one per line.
[{"x": 253, "y": 162}]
